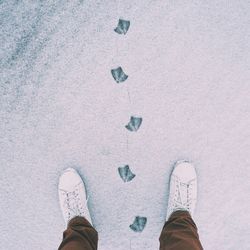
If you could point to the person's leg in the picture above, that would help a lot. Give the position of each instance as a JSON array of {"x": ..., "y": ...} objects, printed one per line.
[
  {"x": 179, "y": 231},
  {"x": 80, "y": 234}
]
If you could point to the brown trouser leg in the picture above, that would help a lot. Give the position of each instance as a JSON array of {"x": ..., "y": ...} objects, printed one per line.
[
  {"x": 79, "y": 235},
  {"x": 180, "y": 233}
]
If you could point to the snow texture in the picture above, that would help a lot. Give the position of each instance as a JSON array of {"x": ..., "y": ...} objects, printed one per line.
[{"x": 188, "y": 66}]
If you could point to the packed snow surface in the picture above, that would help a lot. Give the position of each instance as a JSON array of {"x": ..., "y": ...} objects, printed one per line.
[{"x": 188, "y": 79}]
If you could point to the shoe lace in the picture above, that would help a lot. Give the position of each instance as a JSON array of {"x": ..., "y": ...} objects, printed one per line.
[
  {"x": 73, "y": 204},
  {"x": 183, "y": 198}
]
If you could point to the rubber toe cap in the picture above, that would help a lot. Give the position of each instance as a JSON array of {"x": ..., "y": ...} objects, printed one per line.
[
  {"x": 69, "y": 179},
  {"x": 185, "y": 171}
]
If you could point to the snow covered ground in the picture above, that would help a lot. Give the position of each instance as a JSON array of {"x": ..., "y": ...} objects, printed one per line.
[{"x": 188, "y": 78}]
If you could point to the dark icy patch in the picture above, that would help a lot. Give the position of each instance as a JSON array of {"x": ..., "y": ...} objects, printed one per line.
[
  {"x": 126, "y": 173},
  {"x": 134, "y": 123},
  {"x": 122, "y": 26},
  {"x": 138, "y": 224},
  {"x": 119, "y": 75}
]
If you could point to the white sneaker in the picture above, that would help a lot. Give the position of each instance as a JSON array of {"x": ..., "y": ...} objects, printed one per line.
[
  {"x": 72, "y": 196},
  {"x": 183, "y": 188}
]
